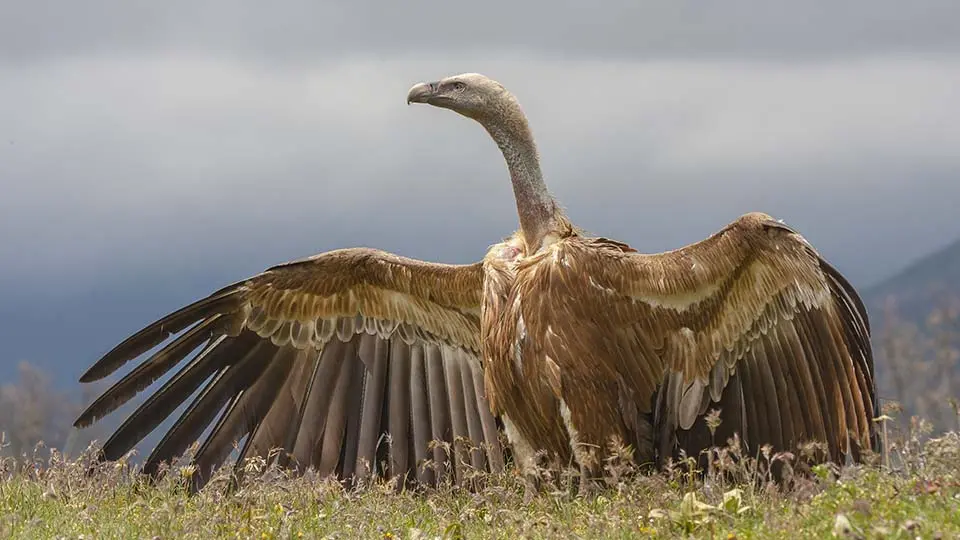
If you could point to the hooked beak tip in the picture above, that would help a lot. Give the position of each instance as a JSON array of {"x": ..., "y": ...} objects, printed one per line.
[{"x": 421, "y": 93}]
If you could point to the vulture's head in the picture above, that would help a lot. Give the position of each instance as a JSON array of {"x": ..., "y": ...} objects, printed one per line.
[{"x": 470, "y": 94}]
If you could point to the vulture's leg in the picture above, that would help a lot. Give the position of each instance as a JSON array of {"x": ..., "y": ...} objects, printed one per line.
[
  {"x": 524, "y": 456},
  {"x": 593, "y": 424}
]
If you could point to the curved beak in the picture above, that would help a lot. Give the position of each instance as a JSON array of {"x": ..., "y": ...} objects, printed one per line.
[{"x": 422, "y": 92}]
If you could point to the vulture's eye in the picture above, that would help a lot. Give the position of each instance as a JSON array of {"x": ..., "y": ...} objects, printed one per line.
[{"x": 459, "y": 85}]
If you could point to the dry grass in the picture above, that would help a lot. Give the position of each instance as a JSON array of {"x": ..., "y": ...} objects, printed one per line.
[
  {"x": 911, "y": 491},
  {"x": 919, "y": 497}
]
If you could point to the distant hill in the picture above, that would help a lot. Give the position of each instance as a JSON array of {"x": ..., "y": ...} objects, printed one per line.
[
  {"x": 915, "y": 317},
  {"x": 919, "y": 287}
]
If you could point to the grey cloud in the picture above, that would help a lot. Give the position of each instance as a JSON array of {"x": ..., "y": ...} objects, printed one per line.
[
  {"x": 175, "y": 163},
  {"x": 303, "y": 31}
]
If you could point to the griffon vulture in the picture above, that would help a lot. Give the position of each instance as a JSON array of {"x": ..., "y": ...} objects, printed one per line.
[{"x": 352, "y": 361}]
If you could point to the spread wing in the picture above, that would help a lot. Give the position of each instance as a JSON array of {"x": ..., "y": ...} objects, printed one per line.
[
  {"x": 751, "y": 321},
  {"x": 352, "y": 362}
]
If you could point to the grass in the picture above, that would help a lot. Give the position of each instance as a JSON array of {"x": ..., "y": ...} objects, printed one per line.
[{"x": 918, "y": 497}]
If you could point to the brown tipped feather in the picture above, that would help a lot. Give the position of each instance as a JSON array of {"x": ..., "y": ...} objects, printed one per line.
[
  {"x": 147, "y": 373},
  {"x": 144, "y": 340},
  {"x": 164, "y": 401}
]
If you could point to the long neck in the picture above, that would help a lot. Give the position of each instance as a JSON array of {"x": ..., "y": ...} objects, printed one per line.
[{"x": 538, "y": 212}]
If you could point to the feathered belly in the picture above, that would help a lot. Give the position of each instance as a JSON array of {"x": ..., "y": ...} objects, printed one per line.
[{"x": 517, "y": 388}]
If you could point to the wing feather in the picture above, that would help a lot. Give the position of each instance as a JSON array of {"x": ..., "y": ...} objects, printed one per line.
[
  {"x": 440, "y": 422},
  {"x": 312, "y": 428},
  {"x": 354, "y": 408},
  {"x": 422, "y": 415},
  {"x": 458, "y": 417},
  {"x": 233, "y": 380},
  {"x": 753, "y": 303},
  {"x": 472, "y": 413},
  {"x": 282, "y": 408},
  {"x": 789, "y": 391},
  {"x": 375, "y": 353},
  {"x": 767, "y": 394},
  {"x": 336, "y": 420},
  {"x": 323, "y": 359},
  {"x": 160, "y": 330},
  {"x": 756, "y": 419},
  {"x": 260, "y": 411},
  {"x": 401, "y": 383},
  {"x": 148, "y": 372},
  {"x": 491, "y": 431},
  {"x": 823, "y": 381},
  {"x": 802, "y": 384},
  {"x": 164, "y": 401}
]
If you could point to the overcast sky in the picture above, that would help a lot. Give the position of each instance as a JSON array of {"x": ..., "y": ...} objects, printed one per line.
[{"x": 151, "y": 152}]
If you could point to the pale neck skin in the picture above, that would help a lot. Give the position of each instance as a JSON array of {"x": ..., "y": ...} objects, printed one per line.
[{"x": 538, "y": 212}]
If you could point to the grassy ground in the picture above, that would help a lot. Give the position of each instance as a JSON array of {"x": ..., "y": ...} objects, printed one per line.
[{"x": 920, "y": 497}]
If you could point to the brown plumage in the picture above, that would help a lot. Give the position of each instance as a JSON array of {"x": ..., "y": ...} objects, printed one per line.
[
  {"x": 750, "y": 321},
  {"x": 561, "y": 340}
]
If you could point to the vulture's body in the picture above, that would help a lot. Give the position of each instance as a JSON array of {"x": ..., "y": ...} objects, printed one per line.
[{"x": 353, "y": 361}]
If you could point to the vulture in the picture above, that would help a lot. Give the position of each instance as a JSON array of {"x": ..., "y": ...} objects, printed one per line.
[{"x": 360, "y": 363}]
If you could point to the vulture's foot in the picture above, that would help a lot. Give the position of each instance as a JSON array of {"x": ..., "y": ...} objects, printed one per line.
[
  {"x": 591, "y": 482},
  {"x": 531, "y": 487}
]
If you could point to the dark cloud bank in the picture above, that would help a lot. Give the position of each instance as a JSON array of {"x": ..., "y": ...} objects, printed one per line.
[{"x": 152, "y": 152}]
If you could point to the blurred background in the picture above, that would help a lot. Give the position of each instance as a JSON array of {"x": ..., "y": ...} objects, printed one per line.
[{"x": 152, "y": 152}]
